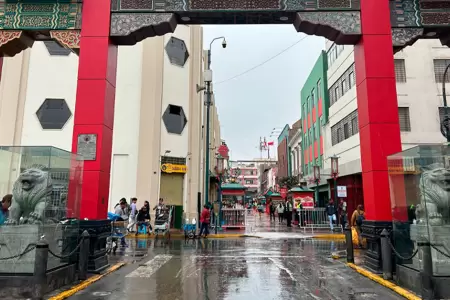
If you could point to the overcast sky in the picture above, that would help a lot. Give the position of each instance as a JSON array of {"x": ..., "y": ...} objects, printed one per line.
[{"x": 268, "y": 97}]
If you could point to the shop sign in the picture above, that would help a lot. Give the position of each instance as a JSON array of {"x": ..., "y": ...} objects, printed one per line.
[
  {"x": 171, "y": 168},
  {"x": 283, "y": 192},
  {"x": 342, "y": 191}
]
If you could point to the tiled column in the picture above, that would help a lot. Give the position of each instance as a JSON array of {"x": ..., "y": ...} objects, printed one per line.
[
  {"x": 378, "y": 119},
  {"x": 94, "y": 109}
]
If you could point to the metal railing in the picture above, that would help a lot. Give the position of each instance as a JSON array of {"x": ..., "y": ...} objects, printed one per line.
[{"x": 316, "y": 219}]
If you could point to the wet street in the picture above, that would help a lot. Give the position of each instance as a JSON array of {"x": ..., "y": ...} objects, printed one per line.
[{"x": 251, "y": 268}]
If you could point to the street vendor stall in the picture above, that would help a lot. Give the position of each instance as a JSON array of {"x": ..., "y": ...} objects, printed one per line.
[
  {"x": 302, "y": 197},
  {"x": 274, "y": 197},
  {"x": 233, "y": 211}
]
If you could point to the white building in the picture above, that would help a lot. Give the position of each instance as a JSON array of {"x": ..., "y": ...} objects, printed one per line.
[
  {"x": 158, "y": 113},
  {"x": 418, "y": 70}
]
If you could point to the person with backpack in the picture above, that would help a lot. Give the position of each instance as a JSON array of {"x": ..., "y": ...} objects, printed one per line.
[{"x": 357, "y": 220}]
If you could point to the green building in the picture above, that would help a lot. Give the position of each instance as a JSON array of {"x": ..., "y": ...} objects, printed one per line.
[{"x": 314, "y": 104}]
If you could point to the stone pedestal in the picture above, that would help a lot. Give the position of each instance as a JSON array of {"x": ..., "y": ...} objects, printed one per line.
[
  {"x": 16, "y": 239},
  {"x": 439, "y": 237},
  {"x": 371, "y": 230}
]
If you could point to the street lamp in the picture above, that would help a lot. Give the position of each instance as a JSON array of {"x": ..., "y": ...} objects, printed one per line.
[
  {"x": 445, "y": 123},
  {"x": 334, "y": 174},
  {"x": 208, "y": 80},
  {"x": 220, "y": 170}
]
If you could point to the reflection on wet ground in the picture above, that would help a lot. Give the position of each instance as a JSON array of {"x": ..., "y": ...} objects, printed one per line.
[{"x": 234, "y": 269}]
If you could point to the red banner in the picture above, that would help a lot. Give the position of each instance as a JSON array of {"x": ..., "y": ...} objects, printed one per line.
[{"x": 283, "y": 192}]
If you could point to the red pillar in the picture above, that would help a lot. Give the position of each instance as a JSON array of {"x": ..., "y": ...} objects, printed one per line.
[
  {"x": 377, "y": 106},
  {"x": 94, "y": 109}
]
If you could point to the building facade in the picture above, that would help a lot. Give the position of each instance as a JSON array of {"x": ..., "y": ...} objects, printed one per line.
[
  {"x": 314, "y": 104},
  {"x": 418, "y": 71},
  {"x": 294, "y": 149},
  {"x": 247, "y": 174},
  {"x": 283, "y": 153},
  {"x": 158, "y": 141}
]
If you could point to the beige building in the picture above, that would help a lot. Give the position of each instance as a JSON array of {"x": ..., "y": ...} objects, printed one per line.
[{"x": 158, "y": 142}]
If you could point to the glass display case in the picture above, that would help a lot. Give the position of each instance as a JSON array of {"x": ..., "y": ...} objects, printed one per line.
[
  {"x": 420, "y": 194},
  {"x": 45, "y": 184}
]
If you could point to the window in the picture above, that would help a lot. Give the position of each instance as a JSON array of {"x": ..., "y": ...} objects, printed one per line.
[
  {"x": 312, "y": 98},
  {"x": 53, "y": 113},
  {"x": 439, "y": 69},
  {"x": 351, "y": 79},
  {"x": 355, "y": 125},
  {"x": 343, "y": 83},
  {"x": 319, "y": 93},
  {"x": 400, "y": 71},
  {"x": 339, "y": 135},
  {"x": 345, "y": 128},
  {"x": 307, "y": 107},
  {"x": 346, "y": 131},
  {"x": 442, "y": 114},
  {"x": 248, "y": 181},
  {"x": 177, "y": 51},
  {"x": 174, "y": 119},
  {"x": 403, "y": 115}
]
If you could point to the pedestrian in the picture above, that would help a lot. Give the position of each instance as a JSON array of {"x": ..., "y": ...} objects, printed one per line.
[
  {"x": 331, "y": 213},
  {"x": 143, "y": 218},
  {"x": 288, "y": 209},
  {"x": 272, "y": 209},
  {"x": 358, "y": 217},
  {"x": 150, "y": 228},
  {"x": 204, "y": 219},
  {"x": 280, "y": 211},
  {"x": 133, "y": 215},
  {"x": 4, "y": 209},
  {"x": 122, "y": 211}
]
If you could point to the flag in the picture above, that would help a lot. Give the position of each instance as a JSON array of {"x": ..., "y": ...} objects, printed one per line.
[{"x": 270, "y": 143}]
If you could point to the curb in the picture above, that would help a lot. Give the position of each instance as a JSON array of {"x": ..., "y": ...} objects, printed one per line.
[
  {"x": 81, "y": 286},
  {"x": 329, "y": 236},
  {"x": 399, "y": 290}
]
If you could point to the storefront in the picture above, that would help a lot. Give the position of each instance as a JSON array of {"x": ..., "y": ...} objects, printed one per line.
[{"x": 171, "y": 190}]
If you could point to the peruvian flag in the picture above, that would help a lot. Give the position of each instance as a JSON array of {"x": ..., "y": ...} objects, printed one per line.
[{"x": 270, "y": 143}]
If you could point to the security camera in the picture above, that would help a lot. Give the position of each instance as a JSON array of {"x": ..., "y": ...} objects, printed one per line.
[{"x": 224, "y": 44}]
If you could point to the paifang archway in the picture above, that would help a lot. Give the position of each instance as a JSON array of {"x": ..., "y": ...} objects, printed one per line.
[{"x": 94, "y": 28}]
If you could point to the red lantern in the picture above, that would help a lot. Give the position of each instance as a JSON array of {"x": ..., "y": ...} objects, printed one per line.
[{"x": 224, "y": 151}]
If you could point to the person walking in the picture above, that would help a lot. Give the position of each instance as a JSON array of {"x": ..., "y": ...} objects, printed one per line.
[
  {"x": 343, "y": 213},
  {"x": 272, "y": 209},
  {"x": 133, "y": 215},
  {"x": 147, "y": 206},
  {"x": 280, "y": 211},
  {"x": 357, "y": 219},
  {"x": 4, "y": 209},
  {"x": 288, "y": 208},
  {"x": 204, "y": 219},
  {"x": 331, "y": 213}
]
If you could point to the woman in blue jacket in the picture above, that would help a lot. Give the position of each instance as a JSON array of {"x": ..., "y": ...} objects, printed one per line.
[{"x": 6, "y": 203}]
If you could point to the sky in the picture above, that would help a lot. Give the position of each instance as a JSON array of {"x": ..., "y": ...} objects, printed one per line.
[{"x": 250, "y": 106}]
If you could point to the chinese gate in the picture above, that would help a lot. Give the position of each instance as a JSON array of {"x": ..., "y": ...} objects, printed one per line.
[{"x": 94, "y": 28}]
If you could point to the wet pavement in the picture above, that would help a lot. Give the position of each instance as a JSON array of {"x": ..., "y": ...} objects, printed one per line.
[{"x": 233, "y": 269}]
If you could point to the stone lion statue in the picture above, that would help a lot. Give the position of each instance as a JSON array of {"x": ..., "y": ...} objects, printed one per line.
[
  {"x": 434, "y": 207},
  {"x": 31, "y": 196}
]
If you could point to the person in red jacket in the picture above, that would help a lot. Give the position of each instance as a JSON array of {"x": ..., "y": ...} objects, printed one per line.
[{"x": 204, "y": 220}]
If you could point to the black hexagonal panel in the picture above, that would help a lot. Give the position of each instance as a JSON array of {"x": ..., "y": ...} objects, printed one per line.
[
  {"x": 177, "y": 51},
  {"x": 56, "y": 49},
  {"x": 53, "y": 113},
  {"x": 174, "y": 119}
]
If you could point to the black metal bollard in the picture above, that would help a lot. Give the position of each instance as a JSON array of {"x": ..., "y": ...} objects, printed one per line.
[
  {"x": 40, "y": 268},
  {"x": 426, "y": 273},
  {"x": 386, "y": 254},
  {"x": 84, "y": 256},
  {"x": 349, "y": 244}
]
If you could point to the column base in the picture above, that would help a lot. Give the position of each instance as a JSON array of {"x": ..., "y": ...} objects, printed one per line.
[{"x": 371, "y": 230}]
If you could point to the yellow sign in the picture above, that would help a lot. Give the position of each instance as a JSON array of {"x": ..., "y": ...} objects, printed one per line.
[{"x": 170, "y": 168}]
